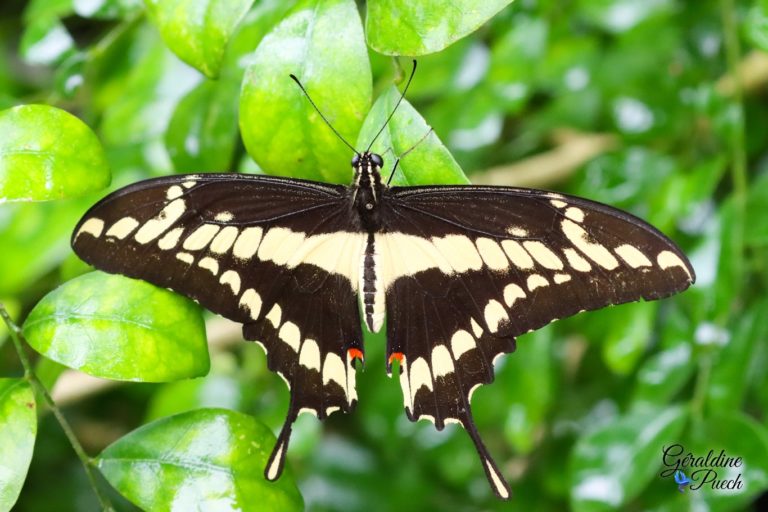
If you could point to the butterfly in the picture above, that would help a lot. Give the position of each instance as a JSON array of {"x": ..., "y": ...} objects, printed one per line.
[{"x": 457, "y": 271}]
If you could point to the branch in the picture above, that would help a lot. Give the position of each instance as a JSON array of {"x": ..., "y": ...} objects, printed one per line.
[
  {"x": 18, "y": 337},
  {"x": 574, "y": 150}
]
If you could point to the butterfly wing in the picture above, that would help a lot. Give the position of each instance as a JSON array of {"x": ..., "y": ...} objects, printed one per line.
[
  {"x": 278, "y": 255},
  {"x": 467, "y": 269}
]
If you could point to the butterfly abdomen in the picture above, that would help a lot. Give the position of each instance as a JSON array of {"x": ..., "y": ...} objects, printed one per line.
[{"x": 371, "y": 286}]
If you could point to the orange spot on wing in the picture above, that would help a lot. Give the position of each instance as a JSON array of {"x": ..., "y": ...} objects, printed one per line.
[
  {"x": 355, "y": 353},
  {"x": 396, "y": 356}
]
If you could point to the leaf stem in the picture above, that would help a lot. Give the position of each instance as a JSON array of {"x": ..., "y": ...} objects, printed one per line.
[{"x": 29, "y": 374}]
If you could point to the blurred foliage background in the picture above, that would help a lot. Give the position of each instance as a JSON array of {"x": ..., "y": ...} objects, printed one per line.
[{"x": 654, "y": 106}]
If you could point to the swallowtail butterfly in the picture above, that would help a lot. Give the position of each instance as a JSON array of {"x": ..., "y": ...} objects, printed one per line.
[{"x": 457, "y": 271}]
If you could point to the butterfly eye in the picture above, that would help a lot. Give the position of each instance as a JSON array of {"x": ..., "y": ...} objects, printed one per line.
[
  {"x": 377, "y": 160},
  {"x": 355, "y": 160}
]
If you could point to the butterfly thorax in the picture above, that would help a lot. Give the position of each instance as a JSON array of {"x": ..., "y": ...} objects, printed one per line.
[{"x": 367, "y": 189}]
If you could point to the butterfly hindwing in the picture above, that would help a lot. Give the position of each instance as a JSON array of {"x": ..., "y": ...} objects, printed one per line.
[
  {"x": 280, "y": 256},
  {"x": 485, "y": 265}
]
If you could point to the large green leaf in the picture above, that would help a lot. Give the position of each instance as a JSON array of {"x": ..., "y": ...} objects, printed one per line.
[
  {"x": 404, "y": 27},
  {"x": 35, "y": 238},
  {"x": 47, "y": 153},
  {"x": 198, "y": 31},
  {"x": 208, "y": 459},
  {"x": 202, "y": 133},
  {"x": 612, "y": 464},
  {"x": 321, "y": 42},
  {"x": 429, "y": 163},
  {"x": 18, "y": 428},
  {"x": 119, "y": 328}
]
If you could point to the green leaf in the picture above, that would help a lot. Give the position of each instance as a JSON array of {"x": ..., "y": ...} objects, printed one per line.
[
  {"x": 18, "y": 428},
  {"x": 732, "y": 372},
  {"x": 114, "y": 327},
  {"x": 208, "y": 459},
  {"x": 612, "y": 464},
  {"x": 46, "y": 41},
  {"x": 198, "y": 32},
  {"x": 625, "y": 342},
  {"x": 47, "y": 153},
  {"x": 35, "y": 238},
  {"x": 403, "y": 27},
  {"x": 106, "y": 9},
  {"x": 428, "y": 163},
  {"x": 202, "y": 133},
  {"x": 526, "y": 383},
  {"x": 321, "y": 42}
]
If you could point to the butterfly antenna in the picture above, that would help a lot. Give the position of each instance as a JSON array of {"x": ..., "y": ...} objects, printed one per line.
[
  {"x": 413, "y": 72},
  {"x": 321, "y": 114}
]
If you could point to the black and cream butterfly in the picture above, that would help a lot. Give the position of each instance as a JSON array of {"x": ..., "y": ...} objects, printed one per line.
[{"x": 457, "y": 271}]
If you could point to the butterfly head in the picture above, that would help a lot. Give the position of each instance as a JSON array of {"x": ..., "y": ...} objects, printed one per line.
[{"x": 367, "y": 168}]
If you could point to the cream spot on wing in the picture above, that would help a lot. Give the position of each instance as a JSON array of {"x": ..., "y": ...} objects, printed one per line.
[
  {"x": 351, "y": 384},
  {"x": 632, "y": 256},
  {"x": 558, "y": 204},
  {"x": 405, "y": 385},
  {"x": 209, "y": 264},
  {"x": 123, "y": 227},
  {"x": 310, "y": 355},
  {"x": 200, "y": 237},
  {"x": 667, "y": 259},
  {"x": 185, "y": 257},
  {"x": 576, "y": 261},
  {"x": 461, "y": 342},
  {"x": 575, "y": 214},
  {"x": 247, "y": 243},
  {"x": 279, "y": 244},
  {"x": 224, "y": 239},
  {"x": 476, "y": 328},
  {"x": 517, "y": 255},
  {"x": 459, "y": 251},
  {"x": 170, "y": 239},
  {"x": 420, "y": 377},
  {"x": 307, "y": 410},
  {"x": 159, "y": 224},
  {"x": 442, "y": 364},
  {"x": 231, "y": 278},
  {"x": 339, "y": 253},
  {"x": 251, "y": 301},
  {"x": 92, "y": 226},
  {"x": 333, "y": 370},
  {"x": 492, "y": 254},
  {"x": 472, "y": 391},
  {"x": 562, "y": 278},
  {"x": 495, "y": 315},
  {"x": 188, "y": 184},
  {"x": 406, "y": 255},
  {"x": 536, "y": 281},
  {"x": 275, "y": 465},
  {"x": 594, "y": 251},
  {"x": 498, "y": 482},
  {"x": 543, "y": 255},
  {"x": 224, "y": 217},
  {"x": 512, "y": 292},
  {"x": 274, "y": 315},
  {"x": 332, "y": 409},
  {"x": 174, "y": 192},
  {"x": 290, "y": 334},
  {"x": 517, "y": 231}
]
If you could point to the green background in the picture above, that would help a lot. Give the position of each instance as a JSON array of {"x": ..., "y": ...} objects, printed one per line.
[{"x": 658, "y": 107}]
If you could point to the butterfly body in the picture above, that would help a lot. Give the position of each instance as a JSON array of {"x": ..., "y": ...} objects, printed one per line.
[{"x": 457, "y": 271}]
